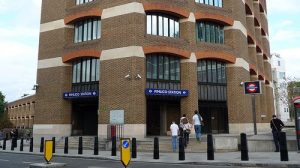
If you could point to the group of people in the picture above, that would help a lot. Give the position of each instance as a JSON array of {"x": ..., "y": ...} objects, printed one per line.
[{"x": 184, "y": 129}]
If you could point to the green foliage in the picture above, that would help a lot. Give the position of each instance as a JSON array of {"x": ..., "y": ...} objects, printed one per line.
[
  {"x": 293, "y": 91},
  {"x": 4, "y": 122},
  {"x": 2, "y": 104}
]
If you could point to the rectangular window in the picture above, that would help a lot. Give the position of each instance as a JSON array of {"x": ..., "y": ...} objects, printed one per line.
[
  {"x": 98, "y": 29},
  {"x": 89, "y": 31},
  {"x": 154, "y": 67},
  {"x": 172, "y": 28},
  {"x": 166, "y": 69},
  {"x": 93, "y": 70},
  {"x": 166, "y": 27},
  {"x": 176, "y": 29},
  {"x": 149, "y": 24},
  {"x": 88, "y": 70},
  {"x": 154, "y": 25},
  {"x": 160, "y": 26},
  {"x": 161, "y": 67},
  {"x": 85, "y": 30}
]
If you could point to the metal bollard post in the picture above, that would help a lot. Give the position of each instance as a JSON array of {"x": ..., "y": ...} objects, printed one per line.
[
  {"x": 80, "y": 146},
  {"x": 66, "y": 148},
  {"x": 114, "y": 146},
  {"x": 133, "y": 152},
  {"x": 210, "y": 147},
  {"x": 4, "y": 144},
  {"x": 156, "y": 148},
  {"x": 96, "y": 146},
  {"x": 42, "y": 145},
  {"x": 21, "y": 144},
  {"x": 181, "y": 149},
  {"x": 53, "y": 147},
  {"x": 31, "y": 145},
  {"x": 244, "y": 147},
  {"x": 12, "y": 144},
  {"x": 284, "y": 156},
  {"x": 15, "y": 140}
]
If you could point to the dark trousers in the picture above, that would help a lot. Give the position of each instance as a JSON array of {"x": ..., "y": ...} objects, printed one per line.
[
  {"x": 276, "y": 139},
  {"x": 186, "y": 138}
]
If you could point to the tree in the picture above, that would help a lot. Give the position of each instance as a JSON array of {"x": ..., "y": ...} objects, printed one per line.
[
  {"x": 293, "y": 89},
  {"x": 4, "y": 122},
  {"x": 2, "y": 104}
]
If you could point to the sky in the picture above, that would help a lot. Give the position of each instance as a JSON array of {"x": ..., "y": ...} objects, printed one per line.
[{"x": 19, "y": 40}]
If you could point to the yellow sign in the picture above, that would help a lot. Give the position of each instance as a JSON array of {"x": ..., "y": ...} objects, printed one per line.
[
  {"x": 48, "y": 152},
  {"x": 125, "y": 151}
]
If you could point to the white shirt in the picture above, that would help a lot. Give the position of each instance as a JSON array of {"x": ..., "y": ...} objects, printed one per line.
[
  {"x": 174, "y": 129},
  {"x": 197, "y": 120}
]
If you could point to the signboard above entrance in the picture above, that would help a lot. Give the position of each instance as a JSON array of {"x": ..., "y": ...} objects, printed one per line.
[
  {"x": 165, "y": 92},
  {"x": 253, "y": 87},
  {"x": 72, "y": 95}
]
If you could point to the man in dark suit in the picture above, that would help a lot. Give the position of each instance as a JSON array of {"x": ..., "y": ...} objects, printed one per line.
[{"x": 276, "y": 124}]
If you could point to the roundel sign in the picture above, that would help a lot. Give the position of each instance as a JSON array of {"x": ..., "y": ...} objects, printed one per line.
[{"x": 252, "y": 87}]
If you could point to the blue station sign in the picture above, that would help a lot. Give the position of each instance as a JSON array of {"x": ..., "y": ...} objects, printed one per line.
[
  {"x": 72, "y": 95},
  {"x": 165, "y": 92}
]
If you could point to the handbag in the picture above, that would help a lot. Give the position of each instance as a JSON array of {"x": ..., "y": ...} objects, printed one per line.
[{"x": 188, "y": 131}]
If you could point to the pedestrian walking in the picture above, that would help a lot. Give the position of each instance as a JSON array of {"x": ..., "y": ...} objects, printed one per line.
[
  {"x": 174, "y": 131},
  {"x": 197, "y": 121},
  {"x": 276, "y": 125},
  {"x": 186, "y": 127}
]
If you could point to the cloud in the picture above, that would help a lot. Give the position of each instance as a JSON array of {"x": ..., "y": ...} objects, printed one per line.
[
  {"x": 286, "y": 35},
  {"x": 292, "y": 60},
  {"x": 19, "y": 32},
  {"x": 279, "y": 6}
]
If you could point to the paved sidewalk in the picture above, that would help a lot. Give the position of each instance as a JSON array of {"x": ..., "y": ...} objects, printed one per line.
[{"x": 257, "y": 159}]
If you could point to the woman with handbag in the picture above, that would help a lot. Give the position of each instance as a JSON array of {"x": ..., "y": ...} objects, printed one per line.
[{"x": 186, "y": 126}]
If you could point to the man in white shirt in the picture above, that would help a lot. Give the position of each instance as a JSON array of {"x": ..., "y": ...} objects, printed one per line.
[
  {"x": 174, "y": 130},
  {"x": 197, "y": 125}
]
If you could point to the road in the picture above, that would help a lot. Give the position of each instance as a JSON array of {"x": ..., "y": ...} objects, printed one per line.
[{"x": 12, "y": 160}]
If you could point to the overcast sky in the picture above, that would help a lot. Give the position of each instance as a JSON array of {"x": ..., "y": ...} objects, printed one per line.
[{"x": 19, "y": 35}]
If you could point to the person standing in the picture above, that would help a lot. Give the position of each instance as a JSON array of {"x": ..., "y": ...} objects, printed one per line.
[
  {"x": 186, "y": 126},
  {"x": 197, "y": 119},
  {"x": 174, "y": 130},
  {"x": 276, "y": 125}
]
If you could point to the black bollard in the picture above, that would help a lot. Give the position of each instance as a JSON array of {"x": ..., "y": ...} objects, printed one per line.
[
  {"x": 284, "y": 156},
  {"x": 66, "y": 148},
  {"x": 42, "y": 145},
  {"x": 181, "y": 149},
  {"x": 4, "y": 144},
  {"x": 80, "y": 146},
  {"x": 31, "y": 145},
  {"x": 133, "y": 150},
  {"x": 21, "y": 144},
  {"x": 96, "y": 146},
  {"x": 15, "y": 140},
  {"x": 156, "y": 149},
  {"x": 12, "y": 144},
  {"x": 244, "y": 147},
  {"x": 114, "y": 146},
  {"x": 53, "y": 147},
  {"x": 210, "y": 148}
]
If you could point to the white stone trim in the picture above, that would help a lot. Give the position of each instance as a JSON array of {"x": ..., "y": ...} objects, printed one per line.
[
  {"x": 50, "y": 63},
  {"x": 266, "y": 37},
  {"x": 252, "y": 45},
  {"x": 251, "y": 16},
  {"x": 130, "y": 130},
  {"x": 117, "y": 53},
  {"x": 192, "y": 59},
  {"x": 240, "y": 62},
  {"x": 52, "y": 129},
  {"x": 133, "y": 7},
  {"x": 248, "y": 128},
  {"x": 271, "y": 85},
  {"x": 191, "y": 18},
  {"x": 238, "y": 26},
  {"x": 57, "y": 24}
]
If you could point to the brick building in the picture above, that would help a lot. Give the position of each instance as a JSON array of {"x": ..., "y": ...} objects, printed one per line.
[
  {"x": 144, "y": 63},
  {"x": 21, "y": 112}
]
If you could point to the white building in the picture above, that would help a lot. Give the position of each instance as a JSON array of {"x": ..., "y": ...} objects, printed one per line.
[{"x": 280, "y": 87}]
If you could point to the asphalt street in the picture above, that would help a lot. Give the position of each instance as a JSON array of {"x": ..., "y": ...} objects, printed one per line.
[{"x": 11, "y": 160}]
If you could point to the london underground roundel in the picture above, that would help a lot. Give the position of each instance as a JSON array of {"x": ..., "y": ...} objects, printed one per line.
[{"x": 252, "y": 87}]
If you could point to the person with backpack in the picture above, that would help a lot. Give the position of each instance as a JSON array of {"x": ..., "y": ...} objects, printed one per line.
[
  {"x": 197, "y": 120},
  {"x": 276, "y": 125},
  {"x": 186, "y": 127}
]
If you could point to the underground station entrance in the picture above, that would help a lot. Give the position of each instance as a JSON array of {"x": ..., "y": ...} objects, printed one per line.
[{"x": 85, "y": 117}]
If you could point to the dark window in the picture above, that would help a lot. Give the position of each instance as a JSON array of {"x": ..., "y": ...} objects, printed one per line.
[
  {"x": 211, "y": 80},
  {"x": 78, "y": 2},
  {"x": 163, "y": 71},
  {"x": 162, "y": 25},
  {"x": 85, "y": 72},
  {"x": 87, "y": 30},
  {"x": 217, "y": 3},
  {"x": 210, "y": 32}
]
